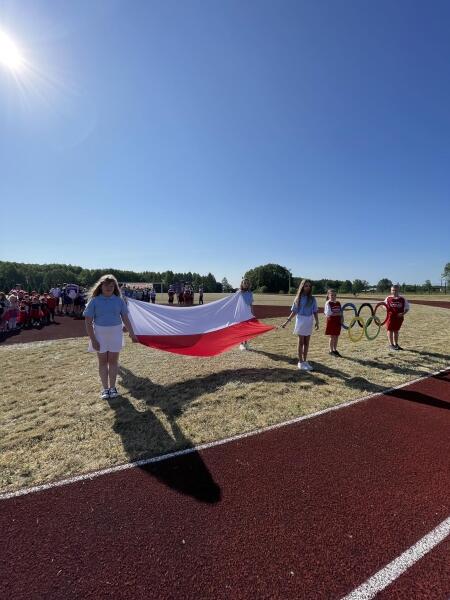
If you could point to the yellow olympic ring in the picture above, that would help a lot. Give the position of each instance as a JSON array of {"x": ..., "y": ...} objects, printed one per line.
[
  {"x": 360, "y": 331},
  {"x": 363, "y": 328}
]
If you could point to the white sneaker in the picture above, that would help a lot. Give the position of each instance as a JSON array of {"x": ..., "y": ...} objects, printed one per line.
[
  {"x": 113, "y": 393},
  {"x": 308, "y": 366},
  {"x": 104, "y": 394},
  {"x": 302, "y": 366},
  {"x": 242, "y": 346}
]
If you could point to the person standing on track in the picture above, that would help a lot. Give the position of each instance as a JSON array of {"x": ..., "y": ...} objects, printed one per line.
[
  {"x": 333, "y": 313},
  {"x": 398, "y": 306},
  {"x": 247, "y": 294},
  {"x": 105, "y": 314},
  {"x": 306, "y": 312}
]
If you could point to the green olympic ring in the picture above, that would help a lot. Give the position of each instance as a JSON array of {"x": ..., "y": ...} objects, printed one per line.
[{"x": 364, "y": 324}]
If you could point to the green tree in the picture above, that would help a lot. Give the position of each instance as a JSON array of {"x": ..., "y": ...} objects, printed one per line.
[
  {"x": 446, "y": 273},
  {"x": 226, "y": 286},
  {"x": 346, "y": 287},
  {"x": 428, "y": 286},
  {"x": 358, "y": 286},
  {"x": 384, "y": 285},
  {"x": 271, "y": 276}
]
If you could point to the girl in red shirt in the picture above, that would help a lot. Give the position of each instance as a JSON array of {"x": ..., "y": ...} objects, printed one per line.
[{"x": 333, "y": 313}]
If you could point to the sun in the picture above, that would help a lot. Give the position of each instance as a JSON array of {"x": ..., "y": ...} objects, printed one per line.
[{"x": 10, "y": 55}]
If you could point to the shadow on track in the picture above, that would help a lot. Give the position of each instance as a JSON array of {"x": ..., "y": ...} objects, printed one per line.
[
  {"x": 143, "y": 432},
  {"x": 420, "y": 398},
  {"x": 145, "y": 435}
]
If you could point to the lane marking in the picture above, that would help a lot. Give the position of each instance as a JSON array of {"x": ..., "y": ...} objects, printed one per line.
[
  {"x": 394, "y": 569},
  {"x": 206, "y": 446}
]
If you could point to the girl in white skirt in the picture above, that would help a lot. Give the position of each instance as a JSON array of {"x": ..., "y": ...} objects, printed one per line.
[
  {"x": 105, "y": 314},
  {"x": 247, "y": 294},
  {"x": 306, "y": 312}
]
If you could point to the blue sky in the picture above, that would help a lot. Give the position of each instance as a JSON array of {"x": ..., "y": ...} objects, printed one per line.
[{"x": 220, "y": 135}]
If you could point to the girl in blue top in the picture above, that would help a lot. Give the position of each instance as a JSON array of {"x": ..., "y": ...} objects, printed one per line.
[
  {"x": 105, "y": 314},
  {"x": 247, "y": 294},
  {"x": 305, "y": 311}
]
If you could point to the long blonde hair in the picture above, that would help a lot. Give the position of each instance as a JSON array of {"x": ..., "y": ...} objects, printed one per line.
[
  {"x": 300, "y": 291},
  {"x": 96, "y": 289}
]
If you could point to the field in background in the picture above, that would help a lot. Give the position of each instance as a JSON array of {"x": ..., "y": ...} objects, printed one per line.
[
  {"x": 286, "y": 299},
  {"x": 55, "y": 425}
]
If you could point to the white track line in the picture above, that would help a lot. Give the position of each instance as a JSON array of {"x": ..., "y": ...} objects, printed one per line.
[
  {"x": 147, "y": 461},
  {"x": 394, "y": 569}
]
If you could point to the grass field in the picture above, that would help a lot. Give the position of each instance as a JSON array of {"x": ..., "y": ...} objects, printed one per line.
[
  {"x": 286, "y": 299},
  {"x": 55, "y": 425}
]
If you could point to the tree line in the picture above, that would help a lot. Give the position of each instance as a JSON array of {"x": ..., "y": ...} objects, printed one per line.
[
  {"x": 270, "y": 278},
  {"x": 276, "y": 279},
  {"x": 43, "y": 277}
]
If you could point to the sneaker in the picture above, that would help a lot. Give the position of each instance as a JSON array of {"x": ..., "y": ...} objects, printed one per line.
[
  {"x": 309, "y": 367},
  {"x": 113, "y": 393},
  {"x": 393, "y": 348},
  {"x": 242, "y": 347},
  {"x": 105, "y": 394},
  {"x": 247, "y": 345},
  {"x": 301, "y": 366},
  {"x": 336, "y": 353},
  {"x": 398, "y": 347}
]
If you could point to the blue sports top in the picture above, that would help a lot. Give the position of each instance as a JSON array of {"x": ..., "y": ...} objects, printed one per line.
[
  {"x": 248, "y": 297},
  {"x": 106, "y": 310},
  {"x": 308, "y": 306}
]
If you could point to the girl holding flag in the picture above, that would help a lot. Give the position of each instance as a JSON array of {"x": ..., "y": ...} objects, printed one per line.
[
  {"x": 247, "y": 294},
  {"x": 105, "y": 314},
  {"x": 305, "y": 311}
]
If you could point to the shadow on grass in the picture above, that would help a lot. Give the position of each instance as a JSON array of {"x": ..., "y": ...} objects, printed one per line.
[
  {"x": 430, "y": 354},
  {"x": 374, "y": 364},
  {"x": 359, "y": 383},
  {"x": 143, "y": 435}
]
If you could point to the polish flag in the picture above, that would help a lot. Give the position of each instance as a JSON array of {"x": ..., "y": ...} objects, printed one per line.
[{"x": 204, "y": 330}]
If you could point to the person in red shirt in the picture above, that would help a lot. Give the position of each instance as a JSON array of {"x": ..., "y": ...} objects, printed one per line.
[
  {"x": 333, "y": 313},
  {"x": 398, "y": 306},
  {"x": 51, "y": 304}
]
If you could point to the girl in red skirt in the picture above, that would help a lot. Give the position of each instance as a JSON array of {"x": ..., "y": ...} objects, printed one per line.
[
  {"x": 398, "y": 306},
  {"x": 333, "y": 313}
]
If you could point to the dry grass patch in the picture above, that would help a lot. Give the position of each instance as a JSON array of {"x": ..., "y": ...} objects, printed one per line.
[{"x": 54, "y": 424}]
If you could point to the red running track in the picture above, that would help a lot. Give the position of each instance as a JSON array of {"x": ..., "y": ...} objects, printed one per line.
[{"x": 306, "y": 511}]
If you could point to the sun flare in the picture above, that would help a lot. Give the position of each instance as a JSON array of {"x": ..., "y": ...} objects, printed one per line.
[{"x": 10, "y": 55}]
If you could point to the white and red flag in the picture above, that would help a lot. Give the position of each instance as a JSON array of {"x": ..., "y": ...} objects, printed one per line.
[{"x": 204, "y": 330}]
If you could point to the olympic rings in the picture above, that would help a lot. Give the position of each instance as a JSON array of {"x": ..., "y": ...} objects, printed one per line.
[
  {"x": 377, "y": 306},
  {"x": 360, "y": 309},
  {"x": 362, "y": 322},
  {"x": 359, "y": 336},
  {"x": 349, "y": 305},
  {"x": 369, "y": 321}
]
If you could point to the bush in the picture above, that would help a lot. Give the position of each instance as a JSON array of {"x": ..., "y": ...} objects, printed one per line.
[
  {"x": 262, "y": 290},
  {"x": 281, "y": 292},
  {"x": 293, "y": 290}
]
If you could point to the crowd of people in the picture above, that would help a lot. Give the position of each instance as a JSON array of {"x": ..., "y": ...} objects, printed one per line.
[
  {"x": 184, "y": 294},
  {"x": 20, "y": 309}
]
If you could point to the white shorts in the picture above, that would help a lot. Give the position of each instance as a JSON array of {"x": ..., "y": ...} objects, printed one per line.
[
  {"x": 110, "y": 338},
  {"x": 303, "y": 325}
]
